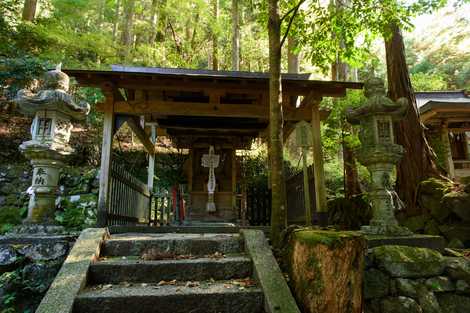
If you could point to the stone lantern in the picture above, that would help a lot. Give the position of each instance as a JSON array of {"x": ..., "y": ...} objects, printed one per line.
[
  {"x": 379, "y": 153},
  {"x": 52, "y": 108}
]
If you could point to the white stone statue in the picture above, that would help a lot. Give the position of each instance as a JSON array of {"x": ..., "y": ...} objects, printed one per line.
[{"x": 211, "y": 161}]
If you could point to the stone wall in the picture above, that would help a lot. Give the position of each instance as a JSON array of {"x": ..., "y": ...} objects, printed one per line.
[
  {"x": 415, "y": 280},
  {"x": 78, "y": 192},
  {"x": 30, "y": 258},
  {"x": 445, "y": 212}
]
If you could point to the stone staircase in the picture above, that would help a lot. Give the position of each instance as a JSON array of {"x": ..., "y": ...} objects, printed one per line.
[{"x": 168, "y": 272}]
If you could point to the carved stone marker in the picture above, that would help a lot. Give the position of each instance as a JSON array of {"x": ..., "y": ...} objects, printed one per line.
[
  {"x": 211, "y": 161},
  {"x": 379, "y": 153},
  {"x": 53, "y": 108}
]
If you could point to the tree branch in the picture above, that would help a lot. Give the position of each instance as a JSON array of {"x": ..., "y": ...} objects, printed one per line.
[
  {"x": 291, "y": 10},
  {"x": 294, "y": 10}
]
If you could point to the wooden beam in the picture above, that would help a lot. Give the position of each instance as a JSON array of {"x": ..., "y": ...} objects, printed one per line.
[
  {"x": 170, "y": 108},
  {"x": 134, "y": 124},
  {"x": 320, "y": 188},
  {"x": 106, "y": 155},
  {"x": 310, "y": 99}
]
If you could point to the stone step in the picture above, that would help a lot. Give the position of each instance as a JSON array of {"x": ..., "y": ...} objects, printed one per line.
[
  {"x": 218, "y": 297},
  {"x": 171, "y": 243},
  {"x": 116, "y": 270}
]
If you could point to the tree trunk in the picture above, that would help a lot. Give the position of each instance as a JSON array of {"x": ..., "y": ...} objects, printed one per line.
[
  {"x": 318, "y": 285},
  {"x": 215, "y": 46},
  {"x": 101, "y": 13},
  {"x": 153, "y": 22},
  {"x": 127, "y": 32},
  {"x": 235, "y": 36},
  {"x": 418, "y": 163},
  {"x": 292, "y": 57},
  {"x": 116, "y": 19},
  {"x": 29, "y": 10},
  {"x": 340, "y": 71},
  {"x": 278, "y": 211}
]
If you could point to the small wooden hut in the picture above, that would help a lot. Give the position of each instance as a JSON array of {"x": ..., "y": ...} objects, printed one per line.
[{"x": 197, "y": 109}]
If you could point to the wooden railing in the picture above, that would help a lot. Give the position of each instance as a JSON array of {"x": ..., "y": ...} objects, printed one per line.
[{"x": 129, "y": 198}]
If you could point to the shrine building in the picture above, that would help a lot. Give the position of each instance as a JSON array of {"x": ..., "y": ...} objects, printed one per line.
[
  {"x": 446, "y": 115},
  {"x": 197, "y": 110}
]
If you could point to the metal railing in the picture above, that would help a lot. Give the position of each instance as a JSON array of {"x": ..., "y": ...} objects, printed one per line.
[{"x": 129, "y": 198}]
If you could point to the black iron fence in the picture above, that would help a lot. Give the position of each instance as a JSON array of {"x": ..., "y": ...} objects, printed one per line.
[{"x": 129, "y": 198}]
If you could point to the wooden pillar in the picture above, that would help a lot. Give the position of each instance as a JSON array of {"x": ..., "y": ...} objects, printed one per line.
[
  {"x": 448, "y": 162},
  {"x": 234, "y": 178},
  {"x": 319, "y": 173},
  {"x": 308, "y": 209},
  {"x": 190, "y": 185},
  {"x": 151, "y": 168},
  {"x": 105, "y": 167}
]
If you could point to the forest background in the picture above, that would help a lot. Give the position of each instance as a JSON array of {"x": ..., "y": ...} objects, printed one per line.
[{"x": 208, "y": 34}]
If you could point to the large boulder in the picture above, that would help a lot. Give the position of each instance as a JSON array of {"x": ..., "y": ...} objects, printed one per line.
[
  {"x": 409, "y": 262},
  {"x": 400, "y": 305},
  {"x": 458, "y": 202},
  {"x": 460, "y": 232},
  {"x": 452, "y": 303},
  {"x": 430, "y": 195},
  {"x": 458, "y": 268}
]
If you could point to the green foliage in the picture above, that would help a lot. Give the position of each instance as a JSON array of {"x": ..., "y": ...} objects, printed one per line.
[
  {"x": 9, "y": 217},
  {"x": 439, "y": 148},
  {"x": 170, "y": 170},
  {"x": 254, "y": 168},
  {"x": 428, "y": 82},
  {"x": 76, "y": 215}
]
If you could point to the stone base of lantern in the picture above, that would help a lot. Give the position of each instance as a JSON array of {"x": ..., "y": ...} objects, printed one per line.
[
  {"x": 47, "y": 164},
  {"x": 385, "y": 229}
]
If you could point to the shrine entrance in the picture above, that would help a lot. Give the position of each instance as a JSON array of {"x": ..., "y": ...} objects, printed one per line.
[{"x": 208, "y": 114}]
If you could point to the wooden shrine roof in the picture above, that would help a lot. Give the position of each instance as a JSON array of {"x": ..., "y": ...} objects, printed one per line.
[
  {"x": 436, "y": 106},
  {"x": 194, "y": 103}
]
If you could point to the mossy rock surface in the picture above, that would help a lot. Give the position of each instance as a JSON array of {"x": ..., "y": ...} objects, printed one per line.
[
  {"x": 409, "y": 262},
  {"x": 416, "y": 223},
  {"x": 400, "y": 305},
  {"x": 452, "y": 303}
]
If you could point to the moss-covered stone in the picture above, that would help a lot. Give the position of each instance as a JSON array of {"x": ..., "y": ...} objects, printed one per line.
[
  {"x": 400, "y": 305},
  {"x": 416, "y": 223},
  {"x": 376, "y": 284},
  {"x": 458, "y": 202},
  {"x": 406, "y": 287},
  {"x": 432, "y": 228},
  {"x": 412, "y": 262},
  {"x": 451, "y": 303},
  {"x": 440, "y": 284}
]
